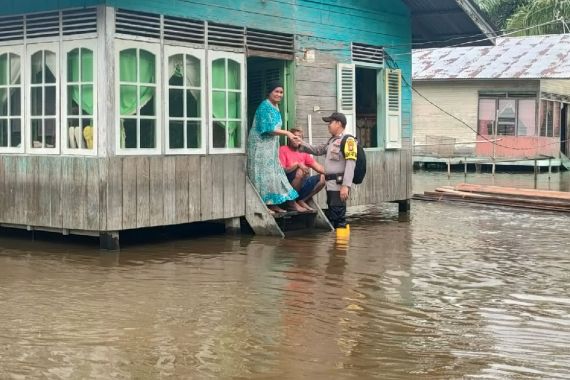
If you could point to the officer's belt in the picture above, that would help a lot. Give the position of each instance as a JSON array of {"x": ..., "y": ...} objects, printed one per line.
[{"x": 330, "y": 177}]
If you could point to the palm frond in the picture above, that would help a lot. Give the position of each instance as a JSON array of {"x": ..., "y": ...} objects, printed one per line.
[{"x": 540, "y": 17}]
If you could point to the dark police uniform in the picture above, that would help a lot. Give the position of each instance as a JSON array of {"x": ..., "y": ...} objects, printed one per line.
[{"x": 339, "y": 171}]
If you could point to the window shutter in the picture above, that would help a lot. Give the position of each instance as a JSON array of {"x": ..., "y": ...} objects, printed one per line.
[
  {"x": 393, "y": 82},
  {"x": 346, "y": 102}
]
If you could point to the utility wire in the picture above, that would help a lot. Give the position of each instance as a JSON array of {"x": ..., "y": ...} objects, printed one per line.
[
  {"x": 391, "y": 60},
  {"x": 506, "y": 34}
]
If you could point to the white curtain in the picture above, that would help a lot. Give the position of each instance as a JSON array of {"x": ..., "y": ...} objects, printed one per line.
[
  {"x": 176, "y": 67},
  {"x": 13, "y": 61}
]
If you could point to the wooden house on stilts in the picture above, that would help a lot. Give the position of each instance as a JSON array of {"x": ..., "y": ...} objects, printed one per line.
[{"x": 123, "y": 114}]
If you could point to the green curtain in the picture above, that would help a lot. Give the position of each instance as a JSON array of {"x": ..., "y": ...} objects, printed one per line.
[
  {"x": 128, "y": 73},
  {"x": 227, "y": 79},
  {"x": 131, "y": 70},
  {"x": 86, "y": 75}
]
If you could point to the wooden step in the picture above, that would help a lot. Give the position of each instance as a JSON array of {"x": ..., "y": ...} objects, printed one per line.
[
  {"x": 264, "y": 222},
  {"x": 290, "y": 214}
]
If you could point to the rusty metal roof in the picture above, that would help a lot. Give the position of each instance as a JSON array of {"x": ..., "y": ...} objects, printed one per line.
[{"x": 536, "y": 57}]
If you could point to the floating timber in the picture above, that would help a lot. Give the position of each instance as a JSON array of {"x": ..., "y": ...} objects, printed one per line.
[{"x": 500, "y": 196}]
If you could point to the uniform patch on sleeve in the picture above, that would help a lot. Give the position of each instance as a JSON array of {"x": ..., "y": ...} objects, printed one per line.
[{"x": 350, "y": 149}]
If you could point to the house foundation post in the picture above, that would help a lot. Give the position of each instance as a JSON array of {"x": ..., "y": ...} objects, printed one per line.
[
  {"x": 404, "y": 206},
  {"x": 109, "y": 240},
  {"x": 233, "y": 226}
]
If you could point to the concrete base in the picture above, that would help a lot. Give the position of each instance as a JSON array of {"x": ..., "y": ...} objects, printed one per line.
[
  {"x": 233, "y": 226},
  {"x": 109, "y": 240}
]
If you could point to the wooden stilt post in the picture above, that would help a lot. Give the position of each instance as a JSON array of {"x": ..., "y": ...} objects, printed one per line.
[
  {"x": 109, "y": 240},
  {"x": 465, "y": 167},
  {"x": 404, "y": 206},
  {"x": 449, "y": 168},
  {"x": 549, "y": 168},
  {"x": 535, "y": 173}
]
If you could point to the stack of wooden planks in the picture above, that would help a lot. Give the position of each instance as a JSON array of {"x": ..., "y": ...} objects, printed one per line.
[{"x": 501, "y": 196}]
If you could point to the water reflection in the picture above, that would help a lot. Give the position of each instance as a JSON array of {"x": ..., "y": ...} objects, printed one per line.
[{"x": 451, "y": 292}]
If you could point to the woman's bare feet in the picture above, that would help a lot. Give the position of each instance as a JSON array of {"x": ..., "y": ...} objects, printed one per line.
[
  {"x": 294, "y": 206},
  {"x": 305, "y": 205},
  {"x": 275, "y": 209}
]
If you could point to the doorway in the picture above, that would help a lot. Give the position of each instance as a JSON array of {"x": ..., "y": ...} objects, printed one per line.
[
  {"x": 260, "y": 73},
  {"x": 366, "y": 91}
]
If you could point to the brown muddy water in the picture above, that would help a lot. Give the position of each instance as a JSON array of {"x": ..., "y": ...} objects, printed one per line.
[{"x": 451, "y": 292}]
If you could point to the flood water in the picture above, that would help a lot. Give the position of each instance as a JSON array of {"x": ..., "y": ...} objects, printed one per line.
[{"x": 453, "y": 291}]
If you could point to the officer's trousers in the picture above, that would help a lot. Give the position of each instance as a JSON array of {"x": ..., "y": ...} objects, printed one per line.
[{"x": 336, "y": 212}]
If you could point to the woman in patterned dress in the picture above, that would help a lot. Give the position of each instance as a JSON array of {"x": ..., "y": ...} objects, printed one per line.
[{"x": 263, "y": 166}]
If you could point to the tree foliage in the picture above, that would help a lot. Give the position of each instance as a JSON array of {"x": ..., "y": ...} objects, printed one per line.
[
  {"x": 498, "y": 12},
  {"x": 527, "y": 17},
  {"x": 535, "y": 18}
]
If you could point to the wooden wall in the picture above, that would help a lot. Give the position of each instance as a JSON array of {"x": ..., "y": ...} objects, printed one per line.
[
  {"x": 388, "y": 178},
  {"x": 119, "y": 193},
  {"x": 555, "y": 86}
]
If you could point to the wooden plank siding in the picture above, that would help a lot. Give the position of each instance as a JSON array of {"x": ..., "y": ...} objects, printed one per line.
[
  {"x": 119, "y": 193},
  {"x": 555, "y": 86}
]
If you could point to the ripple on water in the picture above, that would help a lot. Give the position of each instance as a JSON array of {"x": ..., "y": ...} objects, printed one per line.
[{"x": 449, "y": 292}]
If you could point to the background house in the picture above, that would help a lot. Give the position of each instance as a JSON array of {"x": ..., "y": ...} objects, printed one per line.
[
  {"x": 126, "y": 114},
  {"x": 517, "y": 91}
]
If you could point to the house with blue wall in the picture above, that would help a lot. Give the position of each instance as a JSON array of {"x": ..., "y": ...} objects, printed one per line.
[{"x": 124, "y": 114}]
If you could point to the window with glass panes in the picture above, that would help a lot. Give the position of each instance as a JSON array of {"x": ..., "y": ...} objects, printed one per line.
[
  {"x": 79, "y": 130},
  {"x": 44, "y": 99},
  {"x": 185, "y": 102},
  {"x": 10, "y": 102},
  {"x": 507, "y": 116},
  {"x": 226, "y": 102},
  {"x": 550, "y": 112},
  {"x": 138, "y": 108}
]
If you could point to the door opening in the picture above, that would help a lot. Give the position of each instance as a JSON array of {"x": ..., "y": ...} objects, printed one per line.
[
  {"x": 260, "y": 73},
  {"x": 366, "y": 87}
]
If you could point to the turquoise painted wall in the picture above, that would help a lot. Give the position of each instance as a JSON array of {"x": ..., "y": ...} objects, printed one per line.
[
  {"x": 329, "y": 25},
  {"x": 30, "y": 6}
]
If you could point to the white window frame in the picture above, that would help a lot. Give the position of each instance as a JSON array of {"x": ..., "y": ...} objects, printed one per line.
[
  {"x": 240, "y": 58},
  {"x": 155, "y": 49},
  {"x": 201, "y": 55},
  {"x": 68, "y": 46},
  {"x": 17, "y": 50},
  {"x": 31, "y": 49}
]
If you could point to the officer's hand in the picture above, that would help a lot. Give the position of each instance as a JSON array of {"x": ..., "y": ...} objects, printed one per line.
[{"x": 344, "y": 191}]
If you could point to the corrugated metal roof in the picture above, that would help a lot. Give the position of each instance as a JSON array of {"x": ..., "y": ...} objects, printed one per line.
[
  {"x": 440, "y": 23},
  {"x": 536, "y": 57}
]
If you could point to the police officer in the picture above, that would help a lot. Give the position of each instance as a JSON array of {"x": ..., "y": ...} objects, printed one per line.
[{"x": 339, "y": 167}]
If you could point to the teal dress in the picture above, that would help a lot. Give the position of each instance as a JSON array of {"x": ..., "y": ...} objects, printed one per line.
[{"x": 263, "y": 166}]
